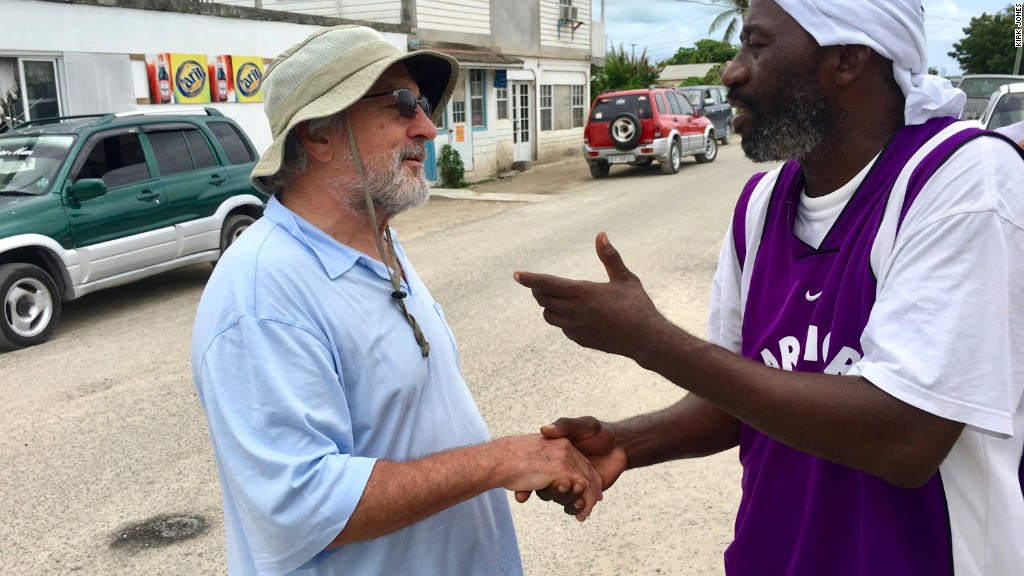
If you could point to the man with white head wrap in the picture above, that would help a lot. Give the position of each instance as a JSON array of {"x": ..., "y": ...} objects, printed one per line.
[{"x": 875, "y": 281}]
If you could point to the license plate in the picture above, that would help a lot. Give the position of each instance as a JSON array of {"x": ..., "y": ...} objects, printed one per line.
[{"x": 621, "y": 159}]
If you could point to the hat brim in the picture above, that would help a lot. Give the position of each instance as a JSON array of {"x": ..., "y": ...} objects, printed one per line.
[{"x": 435, "y": 73}]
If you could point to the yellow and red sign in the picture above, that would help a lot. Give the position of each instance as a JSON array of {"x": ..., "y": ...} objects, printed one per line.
[
  {"x": 248, "y": 78},
  {"x": 178, "y": 78}
]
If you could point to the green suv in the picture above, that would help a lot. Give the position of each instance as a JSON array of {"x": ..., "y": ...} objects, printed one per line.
[{"x": 91, "y": 202}]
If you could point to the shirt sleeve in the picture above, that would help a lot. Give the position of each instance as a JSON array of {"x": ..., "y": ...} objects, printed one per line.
[
  {"x": 945, "y": 333},
  {"x": 282, "y": 433},
  {"x": 724, "y": 307}
]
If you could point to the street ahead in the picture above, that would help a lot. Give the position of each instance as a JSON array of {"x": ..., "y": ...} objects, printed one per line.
[{"x": 103, "y": 430}]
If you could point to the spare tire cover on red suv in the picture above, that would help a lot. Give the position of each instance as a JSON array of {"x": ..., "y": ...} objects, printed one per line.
[{"x": 625, "y": 131}]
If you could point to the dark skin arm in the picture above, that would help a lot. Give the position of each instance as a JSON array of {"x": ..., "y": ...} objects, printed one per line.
[
  {"x": 690, "y": 428},
  {"x": 843, "y": 419}
]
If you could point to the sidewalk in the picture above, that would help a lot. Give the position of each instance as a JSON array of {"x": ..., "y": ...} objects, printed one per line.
[{"x": 534, "y": 185}]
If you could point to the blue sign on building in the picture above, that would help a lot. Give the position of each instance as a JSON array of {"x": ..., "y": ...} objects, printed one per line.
[{"x": 501, "y": 79}]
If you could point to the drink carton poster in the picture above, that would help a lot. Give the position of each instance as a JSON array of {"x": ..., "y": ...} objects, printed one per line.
[
  {"x": 159, "y": 72},
  {"x": 247, "y": 80},
  {"x": 198, "y": 79},
  {"x": 190, "y": 78}
]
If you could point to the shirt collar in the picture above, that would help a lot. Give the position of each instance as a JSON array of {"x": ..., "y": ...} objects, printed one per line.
[{"x": 335, "y": 257}]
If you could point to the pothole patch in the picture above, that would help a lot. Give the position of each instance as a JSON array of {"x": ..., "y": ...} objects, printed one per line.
[{"x": 158, "y": 531}]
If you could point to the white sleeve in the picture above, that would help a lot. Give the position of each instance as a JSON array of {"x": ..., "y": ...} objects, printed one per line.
[
  {"x": 725, "y": 315},
  {"x": 946, "y": 333}
]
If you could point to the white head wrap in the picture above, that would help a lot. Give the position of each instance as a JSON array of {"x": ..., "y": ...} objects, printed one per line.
[{"x": 894, "y": 29}]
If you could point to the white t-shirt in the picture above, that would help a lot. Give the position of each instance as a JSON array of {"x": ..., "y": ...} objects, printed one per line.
[{"x": 946, "y": 333}]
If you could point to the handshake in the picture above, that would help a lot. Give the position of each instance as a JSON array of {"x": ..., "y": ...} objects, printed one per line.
[{"x": 570, "y": 463}]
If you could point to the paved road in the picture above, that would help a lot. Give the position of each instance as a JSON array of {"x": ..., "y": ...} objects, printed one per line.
[{"x": 103, "y": 430}]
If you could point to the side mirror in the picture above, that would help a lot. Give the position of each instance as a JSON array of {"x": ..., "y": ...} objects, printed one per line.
[
  {"x": 87, "y": 188},
  {"x": 709, "y": 101}
]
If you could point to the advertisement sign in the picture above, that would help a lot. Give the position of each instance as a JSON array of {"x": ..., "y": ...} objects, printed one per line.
[
  {"x": 190, "y": 78},
  {"x": 248, "y": 78},
  {"x": 176, "y": 78}
]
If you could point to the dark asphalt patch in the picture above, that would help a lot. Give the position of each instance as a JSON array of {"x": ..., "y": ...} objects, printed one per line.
[{"x": 158, "y": 531}]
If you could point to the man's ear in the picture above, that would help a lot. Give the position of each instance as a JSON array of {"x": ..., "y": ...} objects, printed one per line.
[
  {"x": 851, "y": 62},
  {"x": 320, "y": 148}
]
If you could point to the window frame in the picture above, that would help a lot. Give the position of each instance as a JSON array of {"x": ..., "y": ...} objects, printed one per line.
[
  {"x": 480, "y": 82},
  {"x": 547, "y": 109},
  {"x": 579, "y": 105}
]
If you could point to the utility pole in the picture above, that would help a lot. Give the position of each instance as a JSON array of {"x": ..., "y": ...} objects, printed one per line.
[{"x": 1016, "y": 65}]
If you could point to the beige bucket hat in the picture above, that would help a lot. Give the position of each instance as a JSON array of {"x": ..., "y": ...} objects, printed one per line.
[{"x": 330, "y": 71}]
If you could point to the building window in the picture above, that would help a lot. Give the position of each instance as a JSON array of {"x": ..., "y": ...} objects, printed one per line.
[
  {"x": 501, "y": 99},
  {"x": 458, "y": 112},
  {"x": 477, "y": 79},
  {"x": 579, "y": 107},
  {"x": 546, "y": 113}
]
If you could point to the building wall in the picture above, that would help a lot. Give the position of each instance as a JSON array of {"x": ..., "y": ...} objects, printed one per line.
[
  {"x": 462, "y": 16},
  {"x": 382, "y": 11},
  {"x": 98, "y": 74},
  {"x": 553, "y": 35}
]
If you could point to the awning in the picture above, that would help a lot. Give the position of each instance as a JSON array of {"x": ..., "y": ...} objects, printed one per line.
[{"x": 477, "y": 59}]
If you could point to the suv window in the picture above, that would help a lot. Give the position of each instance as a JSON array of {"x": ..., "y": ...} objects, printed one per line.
[
  {"x": 682, "y": 102},
  {"x": 608, "y": 108},
  {"x": 231, "y": 140},
  {"x": 178, "y": 151},
  {"x": 117, "y": 160},
  {"x": 660, "y": 102}
]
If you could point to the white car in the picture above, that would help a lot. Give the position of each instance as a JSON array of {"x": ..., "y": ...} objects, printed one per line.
[{"x": 1006, "y": 108}]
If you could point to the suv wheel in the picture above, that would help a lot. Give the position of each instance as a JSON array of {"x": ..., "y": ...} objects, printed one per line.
[
  {"x": 710, "y": 151},
  {"x": 675, "y": 159},
  {"x": 625, "y": 131},
  {"x": 599, "y": 169},
  {"x": 728, "y": 135},
  {"x": 233, "y": 228},
  {"x": 31, "y": 306}
]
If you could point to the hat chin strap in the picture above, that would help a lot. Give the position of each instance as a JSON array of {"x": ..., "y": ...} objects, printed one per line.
[{"x": 392, "y": 264}]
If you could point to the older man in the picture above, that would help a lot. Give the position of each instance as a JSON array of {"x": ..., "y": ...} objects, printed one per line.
[
  {"x": 867, "y": 316},
  {"x": 344, "y": 435}
]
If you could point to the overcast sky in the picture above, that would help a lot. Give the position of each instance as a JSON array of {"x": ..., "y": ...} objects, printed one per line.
[{"x": 663, "y": 26}]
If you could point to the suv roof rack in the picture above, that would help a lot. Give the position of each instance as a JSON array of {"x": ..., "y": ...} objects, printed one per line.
[
  {"x": 54, "y": 119},
  {"x": 108, "y": 117},
  {"x": 666, "y": 86}
]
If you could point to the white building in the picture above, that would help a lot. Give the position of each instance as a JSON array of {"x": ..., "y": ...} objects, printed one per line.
[{"x": 523, "y": 92}]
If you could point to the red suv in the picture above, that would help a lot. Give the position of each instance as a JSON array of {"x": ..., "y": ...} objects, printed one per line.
[{"x": 637, "y": 127}]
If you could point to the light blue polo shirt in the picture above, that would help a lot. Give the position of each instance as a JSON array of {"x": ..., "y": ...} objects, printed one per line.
[{"x": 308, "y": 372}]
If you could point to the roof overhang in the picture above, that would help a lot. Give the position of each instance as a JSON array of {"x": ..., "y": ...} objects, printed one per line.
[{"x": 480, "y": 59}]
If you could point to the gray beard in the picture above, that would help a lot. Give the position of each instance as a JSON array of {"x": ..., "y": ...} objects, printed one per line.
[
  {"x": 392, "y": 191},
  {"x": 798, "y": 124}
]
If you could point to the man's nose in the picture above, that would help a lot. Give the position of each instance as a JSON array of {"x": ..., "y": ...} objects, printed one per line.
[
  {"x": 735, "y": 73},
  {"x": 422, "y": 127}
]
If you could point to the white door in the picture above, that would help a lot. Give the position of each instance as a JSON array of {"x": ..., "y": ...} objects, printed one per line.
[
  {"x": 460, "y": 132},
  {"x": 522, "y": 147}
]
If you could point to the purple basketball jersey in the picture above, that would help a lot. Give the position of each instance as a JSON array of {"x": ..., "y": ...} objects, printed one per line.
[{"x": 806, "y": 310}]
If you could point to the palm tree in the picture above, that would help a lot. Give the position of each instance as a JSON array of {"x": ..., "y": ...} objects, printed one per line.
[{"x": 731, "y": 18}]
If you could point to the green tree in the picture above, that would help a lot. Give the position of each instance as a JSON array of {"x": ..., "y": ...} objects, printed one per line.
[
  {"x": 732, "y": 18},
  {"x": 712, "y": 78},
  {"x": 987, "y": 45},
  {"x": 703, "y": 52},
  {"x": 623, "y": 71}
]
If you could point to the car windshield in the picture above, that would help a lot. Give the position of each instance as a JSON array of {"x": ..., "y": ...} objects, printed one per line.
[
  {"x": 608, "y": 107},
  {"x": 1007, "y": 110},
  {"x": 982, "y": 87},
  {"x": 693, "y": 96},
  {"x": 28, "y": 164}
]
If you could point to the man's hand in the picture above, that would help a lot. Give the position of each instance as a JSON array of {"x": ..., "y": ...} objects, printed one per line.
[
  {"x": 613, "y": 317},
  {"x": 595, "y": 440},
  {"x": 536, "y": 462}
]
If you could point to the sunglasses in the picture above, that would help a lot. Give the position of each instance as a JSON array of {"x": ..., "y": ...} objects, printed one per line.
[{"x": 406, "y": 102}]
